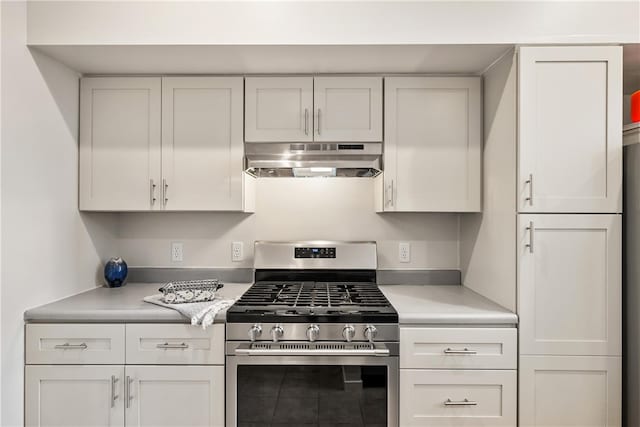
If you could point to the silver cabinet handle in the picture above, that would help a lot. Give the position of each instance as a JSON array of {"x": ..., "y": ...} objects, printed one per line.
[
  {"x": 530, "y": 230},
  {"x": 465, "y": 402},
  {"x": 67, "y": 346},
  {"x": 319, "y": 112},
  {"x": 463, "y": 351},
  {"x": 127, "y": 391},
  {"x": 152, "y": 191},
  {"x": 168, "y": 345},
  {"x": 529, "y": 182},
  {"x": 114, "y": 396},
  {"x": 306, "y": 121},
  {"x": 165, "y": 188}
]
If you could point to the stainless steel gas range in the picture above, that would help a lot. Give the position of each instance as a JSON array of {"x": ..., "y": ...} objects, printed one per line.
[{"x": 314, "y": 341}]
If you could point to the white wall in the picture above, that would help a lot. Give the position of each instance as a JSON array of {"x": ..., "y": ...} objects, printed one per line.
[
  {"x": 48, "y": 248},
  {"x": 331, "y": 22},
  {"x": 488, "y": 239},
  {"x": 291, "y": 209}
]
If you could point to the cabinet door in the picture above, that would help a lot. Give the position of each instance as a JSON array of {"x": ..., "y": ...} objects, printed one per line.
[
  {"x": 74, "y": 396},
  {"x": 457, "y": 398},
  {"x": 202, "y": 143},
  {"x": 278, "y": 109},
  {"x": 347, "y": 109},
  {"x": 432, "y": 144},
  {"x": 569, "y": 297},
  {"x": 570, "y": 121},
  {"x": 119, "y": 143},
  {"x": 570, "y": 391},
  {"x": 178, "y": 396}
]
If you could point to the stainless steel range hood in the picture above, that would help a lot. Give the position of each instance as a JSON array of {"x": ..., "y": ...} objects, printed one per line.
[{"x": 309, "y": 159}]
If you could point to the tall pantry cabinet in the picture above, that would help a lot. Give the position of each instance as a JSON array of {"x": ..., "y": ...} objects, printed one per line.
[{"x": 569, "y": 248}]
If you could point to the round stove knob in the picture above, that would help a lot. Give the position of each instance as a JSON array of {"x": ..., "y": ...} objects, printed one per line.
[
  {"x": 348, "y": 332},
  {"x": 276, "y": 333},
  {"x": 370, "y": 332},
  {"x": 312, "y": 332},
  {"x": 255, "y": 331}
]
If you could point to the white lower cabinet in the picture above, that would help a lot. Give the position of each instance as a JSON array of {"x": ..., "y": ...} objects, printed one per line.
[
  {"x": 152, "y": 396},
  {"x": 463, "y": 376},
  {"x": 175, "y": 396},
  {"x": 576, "y": 391},
  {"x": 172, "y": 375},
  {"x": 74, "y": 396},
  {"x": 457, "y": 397}
]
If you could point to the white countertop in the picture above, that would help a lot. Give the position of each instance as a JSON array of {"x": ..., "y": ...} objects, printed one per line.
[
  {"x": 119, "y": 305},
  {"x": 421, "y": 304},
  {"x": 416, "y": 304}
]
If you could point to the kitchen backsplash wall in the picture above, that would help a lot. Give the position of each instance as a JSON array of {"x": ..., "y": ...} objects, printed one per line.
[{"x": 291, "y": 209}]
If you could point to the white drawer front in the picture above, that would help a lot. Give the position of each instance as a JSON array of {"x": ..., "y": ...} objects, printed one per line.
[
  {"x": 458, "y": 348},
  {"x": 154, "y": 344},
  {"x": 74, "y": 344},
  {"x": 457, "y": 398}
]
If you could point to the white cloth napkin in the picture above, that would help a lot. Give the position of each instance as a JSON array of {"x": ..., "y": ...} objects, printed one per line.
[{"x": 200, "y": 313}]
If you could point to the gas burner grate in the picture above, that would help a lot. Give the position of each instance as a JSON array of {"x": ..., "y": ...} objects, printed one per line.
[{"x": 339, "y": 295}]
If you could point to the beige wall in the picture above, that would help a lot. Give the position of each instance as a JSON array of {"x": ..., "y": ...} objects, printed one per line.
[
  {"x": 291, "y": 209},
  {"x": 49, "y": 250}
]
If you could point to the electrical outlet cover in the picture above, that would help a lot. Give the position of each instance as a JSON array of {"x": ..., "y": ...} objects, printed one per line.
[
  {"x": 237, "y": 253},
  {"x": 404, "y": 252},
  {"x": 177, "y": 252}
]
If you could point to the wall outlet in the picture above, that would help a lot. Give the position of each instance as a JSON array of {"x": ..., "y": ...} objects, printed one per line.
[
  {"x": 404, "y": 252},
  {"x": 177, "y": 252},
  {"x": 237, "y": 253}
]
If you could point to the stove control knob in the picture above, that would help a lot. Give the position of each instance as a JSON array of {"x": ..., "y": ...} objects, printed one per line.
[
  {"x": 312, "y": 332},
  {"x": 370, "y": 332},
  {"x": 348, "y": 332},
  {"x": 255, "y": 331},
  {"x": 276, "y": 333}
]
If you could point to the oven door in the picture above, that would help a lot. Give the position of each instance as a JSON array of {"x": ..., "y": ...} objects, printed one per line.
[{"x": 289, "y": 388}]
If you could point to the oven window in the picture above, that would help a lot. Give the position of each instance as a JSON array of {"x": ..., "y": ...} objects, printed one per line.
[{"x": 312, "y": 396}]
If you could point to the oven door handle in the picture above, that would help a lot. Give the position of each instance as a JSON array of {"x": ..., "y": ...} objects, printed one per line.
[{"x": 377, "y": 349}]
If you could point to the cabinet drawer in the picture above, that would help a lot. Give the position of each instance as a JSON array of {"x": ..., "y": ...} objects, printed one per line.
[
  {"x": 458, "y": 348},
  {"x": 73, "y": 344},
  {"x": 152, "y": 344},
  {"x": 457, "y": 398}
]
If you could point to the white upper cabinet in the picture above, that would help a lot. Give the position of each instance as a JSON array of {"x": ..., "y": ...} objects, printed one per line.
[
  {"x": 570, "y": 129},
  {"x": 119, "y": 143},
  {"x": 347, "y": 109},
  {"x": 202, "y": 144},
  {"x": 171, "y": 144},
  {"x": 278, "y": 109},
  {"x": 305, "y": 109},
  {"x": 570, "y": 274},
  {"x": 432, "y": 153}
]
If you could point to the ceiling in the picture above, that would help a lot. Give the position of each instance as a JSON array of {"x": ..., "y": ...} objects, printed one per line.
[{"x": 272, "y": 59}]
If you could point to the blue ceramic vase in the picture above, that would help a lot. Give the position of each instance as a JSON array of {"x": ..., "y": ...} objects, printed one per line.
[{"x": 115, "y": 272}]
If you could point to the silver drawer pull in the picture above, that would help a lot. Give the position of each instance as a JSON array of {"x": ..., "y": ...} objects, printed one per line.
[
  {"x": 167, "y": 345},
  {"x": 67, "y": 346},
  {"x": 465, "y": 402},
  {"x": 463, "y": 351}
]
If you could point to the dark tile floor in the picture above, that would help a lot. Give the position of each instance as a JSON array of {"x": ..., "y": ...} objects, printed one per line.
[{"x": 299, "y": 396}]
